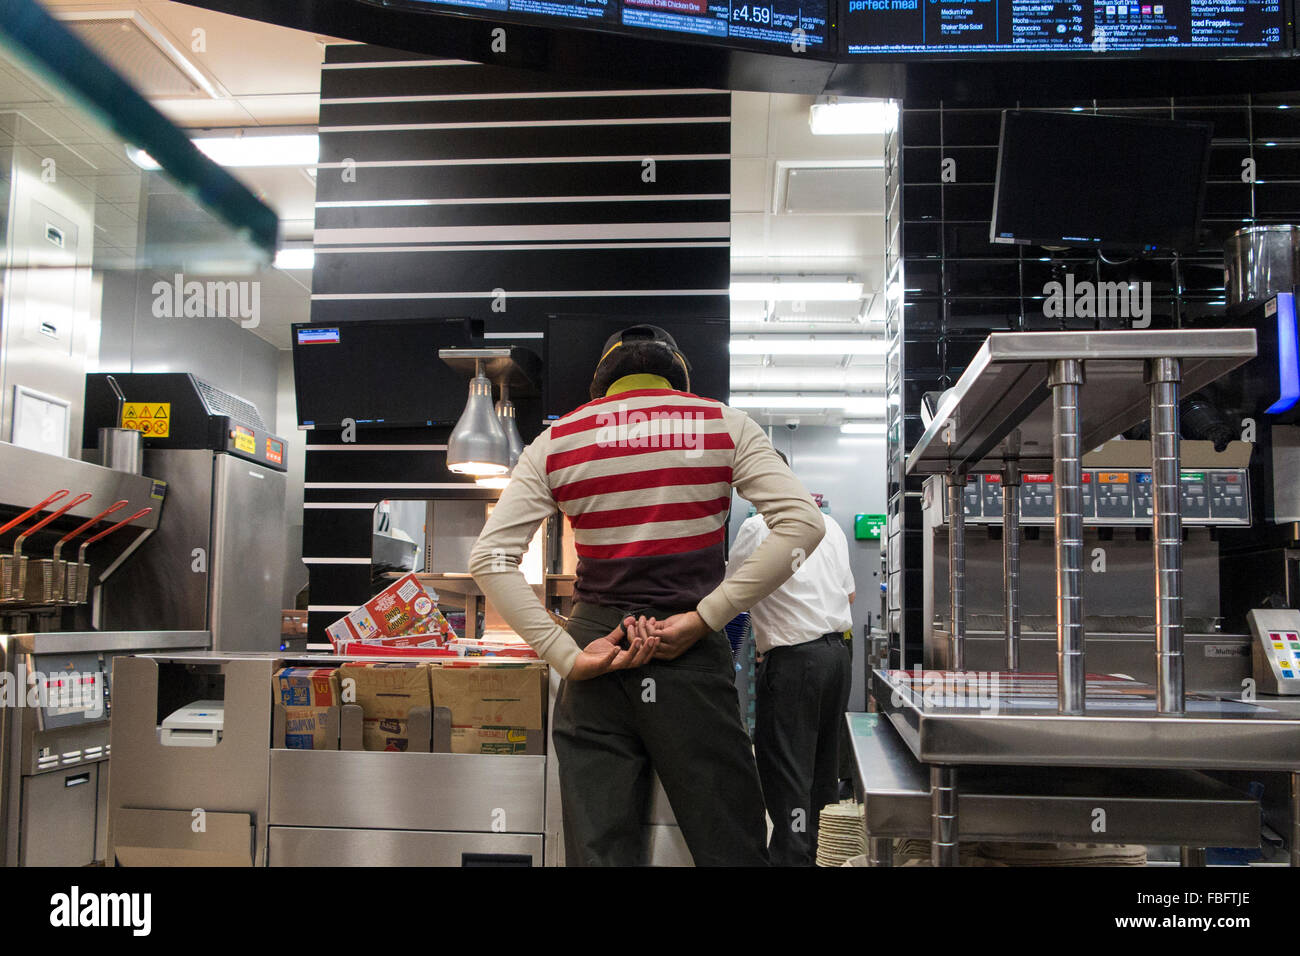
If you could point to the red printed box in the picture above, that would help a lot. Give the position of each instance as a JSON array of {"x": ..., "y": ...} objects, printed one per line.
[{"x": 404, "y": 609}]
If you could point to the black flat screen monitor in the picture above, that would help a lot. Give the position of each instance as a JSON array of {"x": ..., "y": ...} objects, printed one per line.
[
  {"x": 379, "y": 373},
  {"x": 573, "y": 344},
  {"x": 1077, "y": 179}
]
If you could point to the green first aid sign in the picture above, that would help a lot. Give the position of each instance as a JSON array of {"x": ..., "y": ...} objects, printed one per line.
[{"x": 868, "y": 527}]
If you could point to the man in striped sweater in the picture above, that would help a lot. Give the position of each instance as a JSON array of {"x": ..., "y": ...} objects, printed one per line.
[{"x": 644, "y": 473}]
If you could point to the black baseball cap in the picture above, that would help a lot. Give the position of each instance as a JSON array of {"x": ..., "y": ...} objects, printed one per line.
[{"x": 639, "y": 333}]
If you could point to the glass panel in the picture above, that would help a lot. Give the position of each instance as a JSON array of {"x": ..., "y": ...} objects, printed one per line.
[{"x": 80, "y": 121}]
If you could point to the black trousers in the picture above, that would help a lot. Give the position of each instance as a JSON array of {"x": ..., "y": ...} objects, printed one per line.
[
  {"x": 680, "y": 718},
  {"x": 802, "y": 693}
]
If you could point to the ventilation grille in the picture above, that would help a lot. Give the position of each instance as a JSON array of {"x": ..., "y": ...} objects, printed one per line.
[
  {"x": 153, "y": 71},
  {"x": 223, "y": 403}
]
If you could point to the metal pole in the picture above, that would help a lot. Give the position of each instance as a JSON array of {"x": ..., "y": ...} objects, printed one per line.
[
  {"x": 1065, "y": 378},
  {"x": 1295, "y": 818},
  {"x": 1011, "y": 559},
  {"x": 1191, "y": 856},
  {"x": 943, "y": 816},
  {"x": 1163, "y": 376},
  {"x": 880, "y": 851},
  {"x": 956, "y": 570}
]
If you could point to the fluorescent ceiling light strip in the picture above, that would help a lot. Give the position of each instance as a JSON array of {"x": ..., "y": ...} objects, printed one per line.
[
  {"x": 863, "y": 428},
  {"x": 299, "y": 149},
  {"x": 853, "y": 404},
  {"x": 782, "y": 345},
  {"x": 295, "y": 259},
  {"x": 853, "y": 119},
  {"x": 821, "y": 290}
]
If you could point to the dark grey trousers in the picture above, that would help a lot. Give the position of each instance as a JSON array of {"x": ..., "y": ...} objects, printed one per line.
[
  {"x": 680, "y": 718},
  {"x": 802, "y": 693}
]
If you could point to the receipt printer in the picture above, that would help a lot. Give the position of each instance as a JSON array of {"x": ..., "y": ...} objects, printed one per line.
[{"x": 195, "y": 725}]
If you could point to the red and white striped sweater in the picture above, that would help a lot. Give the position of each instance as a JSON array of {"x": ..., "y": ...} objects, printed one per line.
[{"x": 645, "y": 477}]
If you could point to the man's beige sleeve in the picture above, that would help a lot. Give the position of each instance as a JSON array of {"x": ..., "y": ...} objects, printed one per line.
[
  {"x": 794, "y": 523},
  {"x": 494, "y": 560}
]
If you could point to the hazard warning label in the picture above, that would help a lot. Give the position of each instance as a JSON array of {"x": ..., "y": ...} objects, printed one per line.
[{"x": 152, "y": 419}]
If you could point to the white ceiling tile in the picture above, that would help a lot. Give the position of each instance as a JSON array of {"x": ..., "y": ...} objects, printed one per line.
[{"x": 245, "y": 60}]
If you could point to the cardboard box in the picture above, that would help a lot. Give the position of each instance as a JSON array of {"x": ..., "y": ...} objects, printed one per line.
[
  {"x": 306, "y": 728},
  {"x": 307, "y": 694},
  {"x": 308, "y": 686},
  {"x": 386, "y": 691},
  {"x": 402, "y": 609},
  {"x": 496, "y": 706}
]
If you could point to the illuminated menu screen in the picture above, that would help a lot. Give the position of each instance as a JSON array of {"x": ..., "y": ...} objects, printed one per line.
[
  {"x": 801, "y": 25},
  {"x": 1060, "y": 26},
  {"x": 786, "y": 22}
]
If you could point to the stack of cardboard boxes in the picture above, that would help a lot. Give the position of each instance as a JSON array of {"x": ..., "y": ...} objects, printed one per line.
[
  {"x": 307, "y": 694},
  {"x": 496, "y": 706}
]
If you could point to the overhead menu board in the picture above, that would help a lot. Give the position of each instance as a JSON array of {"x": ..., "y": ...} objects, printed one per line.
[
  {"x": 801, "y": 26},
  {"x": 789, "y": 23},
  {"x": 597, "y": 10},
  {"x": 852, "y": 29},
  {"x": 939, "y": 27}
]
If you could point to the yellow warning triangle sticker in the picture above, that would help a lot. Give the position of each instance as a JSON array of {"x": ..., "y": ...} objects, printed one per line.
[
  {"x": 130, "y": 412},
  {"x": 144, "y": 412},
  {"x": 162, "y": 412}
]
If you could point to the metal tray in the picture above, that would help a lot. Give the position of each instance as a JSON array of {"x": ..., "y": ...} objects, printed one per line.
[
  {"x": 1005, "y": 387},
  {"x": 1153, "y": 807},
  {"x": 1120, "y": 729}
]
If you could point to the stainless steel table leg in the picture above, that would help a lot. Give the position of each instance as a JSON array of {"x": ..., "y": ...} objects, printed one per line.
[
  {"x": 1163, "y": 376},
  {"x": 880, "y": 851},
  {"x": 943, "y": 816},
  {"x": 1011, "y": 560},
  {"x": 956, "y": 486},
  {"x": 1065, "y": 378},
  {"x": 1191, "y": 856}
]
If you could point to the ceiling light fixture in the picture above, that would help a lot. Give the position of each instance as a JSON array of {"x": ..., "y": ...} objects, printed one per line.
[
  {"x": 839, "y": 117},
  {"x": 863, "y": 405},
  {"x": 863, "y": 428},
  {"x": 795, "y": 289},
  {"x": 791, "y": 345},
  {"x": 295, "y": 259},
  {"x": 246, "y": 151},
  {"x": 506, "y": 414},
  {"x": 478, "y": 445}
]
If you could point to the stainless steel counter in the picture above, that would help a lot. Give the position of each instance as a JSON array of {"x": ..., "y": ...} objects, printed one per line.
[
  {"x": 1012, "y": 719},
  {"x": 1149, "y": 807},
  {"x": 1005, "y": 388}
]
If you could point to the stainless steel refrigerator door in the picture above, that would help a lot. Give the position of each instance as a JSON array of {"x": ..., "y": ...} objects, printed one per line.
[{"x": 247, "y": 560}]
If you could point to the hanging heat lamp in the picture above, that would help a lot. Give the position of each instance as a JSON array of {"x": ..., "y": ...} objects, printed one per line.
[{"x": 478, "y": 445}]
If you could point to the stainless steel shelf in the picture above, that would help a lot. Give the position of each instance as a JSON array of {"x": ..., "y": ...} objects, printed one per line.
[
  {"x": 1153, "y": 807},
  {"x": 1005, "y": 388},
  {"x": 1121, "y": 727}
]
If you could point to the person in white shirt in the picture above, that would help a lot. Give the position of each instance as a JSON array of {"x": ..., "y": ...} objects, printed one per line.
[{"x": 802, "y": 687}]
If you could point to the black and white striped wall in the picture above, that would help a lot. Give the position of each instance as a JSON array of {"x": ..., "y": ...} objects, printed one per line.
[{"x": 448, "y": 188}]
